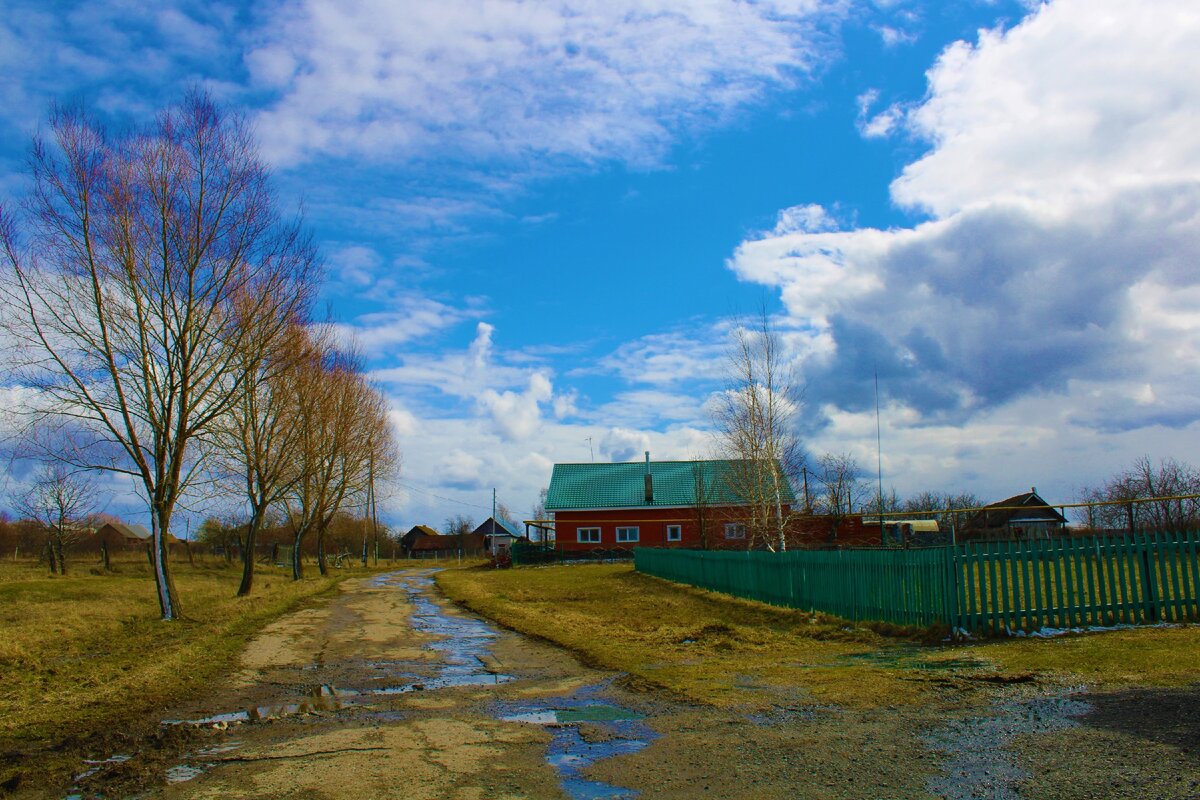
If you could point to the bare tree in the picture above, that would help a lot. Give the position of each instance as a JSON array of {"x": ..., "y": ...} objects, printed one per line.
[
  {"x": 346, "y": 440},
  {"x": 1159, "y": 497},
  {"x": 842, "y": 488},
  {"x": 60, "y": 500},
  {"x": 259, "y": 440},
  {"x": 755, "y": 420},
  {"x": 141, "y": 257},
  {"x": 459, "y": 526}
]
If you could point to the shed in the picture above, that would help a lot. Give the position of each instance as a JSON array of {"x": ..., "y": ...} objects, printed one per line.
[{"x": 1022, "y": 516}]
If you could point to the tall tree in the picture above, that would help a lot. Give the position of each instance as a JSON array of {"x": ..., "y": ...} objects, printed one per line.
[
  {"x": 259, "y": 440},
  {"x": 756, "y": 428},
  {"x": 124, "y": 276},
  {"x": 346, "y": 441}
]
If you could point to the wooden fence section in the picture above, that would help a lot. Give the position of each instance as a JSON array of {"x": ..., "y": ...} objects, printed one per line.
[
  {"x": 977, "y": 587},
  {"x": 1076, "y": 582},
  {"x": 906, "y": 587}
]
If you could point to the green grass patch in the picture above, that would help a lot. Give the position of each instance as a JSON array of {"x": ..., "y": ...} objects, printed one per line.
[
  {"x": 729, "y": 652},
  {"x": 86, "y": 655}
]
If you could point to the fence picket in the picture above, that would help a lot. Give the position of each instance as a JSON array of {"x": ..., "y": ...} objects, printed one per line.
[{"x": 976, "y": 587}]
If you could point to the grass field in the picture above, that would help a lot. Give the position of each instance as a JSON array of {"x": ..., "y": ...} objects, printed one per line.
[
  {"x": 85, "y": 655},
  {"x": 709, "y": 646}
]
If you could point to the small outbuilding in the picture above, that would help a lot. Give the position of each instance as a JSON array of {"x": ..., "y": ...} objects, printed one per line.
[
  {"x": 1022, "y": 516},
  {"x": 498, "y": 535}
]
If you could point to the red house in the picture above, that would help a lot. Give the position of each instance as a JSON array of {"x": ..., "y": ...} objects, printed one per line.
[{"x": 650, "y": 504}]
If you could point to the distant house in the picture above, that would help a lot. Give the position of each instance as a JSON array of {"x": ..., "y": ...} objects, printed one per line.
[
  {"x": 497, "y": 534},
  {"x": 616, "y": 507},
  {"x": 438, "y": 545},
  {"x": 1022, "y": 516},
  {"x": 408, "y": 539},
  {"x": 121, "y": 533}
]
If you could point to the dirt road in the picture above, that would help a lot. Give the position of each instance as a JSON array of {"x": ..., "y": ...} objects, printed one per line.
[{"x": 388, "y": 691}]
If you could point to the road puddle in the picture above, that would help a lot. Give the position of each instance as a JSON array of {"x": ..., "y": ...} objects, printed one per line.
[
  {"x": 611, "y": 730},
  {"x": 323, "y": 699}
]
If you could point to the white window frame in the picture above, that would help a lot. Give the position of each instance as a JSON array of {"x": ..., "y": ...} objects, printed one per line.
[
  {"x": 735, "y": 530},
  {"x": 589, "y": 535},
  {"x": 624, "y": 537},
  {"x": 674, "y": 533}
]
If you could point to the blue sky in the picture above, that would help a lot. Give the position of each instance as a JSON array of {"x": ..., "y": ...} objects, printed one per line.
[{"x": 541, "y": 219}]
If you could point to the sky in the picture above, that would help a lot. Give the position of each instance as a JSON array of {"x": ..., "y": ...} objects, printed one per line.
[{"x": 542, "y": 220}]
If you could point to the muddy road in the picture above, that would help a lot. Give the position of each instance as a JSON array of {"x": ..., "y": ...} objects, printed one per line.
[{"x": 389, "y": 691}]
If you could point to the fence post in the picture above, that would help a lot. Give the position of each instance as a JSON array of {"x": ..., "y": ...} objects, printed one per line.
[{"x": 1148, "y": 583}]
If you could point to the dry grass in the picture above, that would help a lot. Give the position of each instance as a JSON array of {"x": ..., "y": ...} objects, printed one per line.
[
  {"x": 709, "y": 647},
  {"x": 86, "y": 654},
  {"x": 717, "y": 649}
]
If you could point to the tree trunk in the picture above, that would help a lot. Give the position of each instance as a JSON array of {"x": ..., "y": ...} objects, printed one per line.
[
  {"x": 297, "y": 567},
  {"x": 50, "y": 558},
  {"x": 104, "y": 556},
  {"x": 248, "y": 555},
  {"x": 62, "y": 559},
  {"x": 168, "y": 598},
  {"x": 321, "y": 553}
]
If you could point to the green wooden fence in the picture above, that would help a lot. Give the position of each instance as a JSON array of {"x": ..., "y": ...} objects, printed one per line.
[{"x": 976, "y": 587}]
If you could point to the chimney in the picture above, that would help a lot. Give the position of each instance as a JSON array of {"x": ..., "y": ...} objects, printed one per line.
[{"x": 649, "y": 481}]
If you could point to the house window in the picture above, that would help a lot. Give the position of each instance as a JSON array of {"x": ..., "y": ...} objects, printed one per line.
[
  {"x": 674, "y": 533},
  {"x": 627, "y": 534},
  {"x": 588, "y": 535},
  {"x": 735, "y": 530}
]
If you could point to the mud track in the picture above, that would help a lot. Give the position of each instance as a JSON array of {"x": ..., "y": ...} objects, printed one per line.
[{"x": 388, "y": 691}]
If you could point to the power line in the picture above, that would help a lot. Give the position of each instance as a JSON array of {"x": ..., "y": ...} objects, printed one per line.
[{"x": 440, "y": 497}]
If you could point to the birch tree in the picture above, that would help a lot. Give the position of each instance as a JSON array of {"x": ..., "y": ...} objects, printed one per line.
[
  {"x": 124, "y": 270},
  {"x": 756, "y": 427}
]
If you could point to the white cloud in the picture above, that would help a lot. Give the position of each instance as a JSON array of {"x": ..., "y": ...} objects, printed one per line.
[
  {"x": 1057, "y": 274},
  {"x": 668, "y": 358},
  {"x": 623, "y": 444},
  {"x": 507, "y": 79},
  {"x": 1085, "y": 97},
  {"x": 517, "y": 414}
]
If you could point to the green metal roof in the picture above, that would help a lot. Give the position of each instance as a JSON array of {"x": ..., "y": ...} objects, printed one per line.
[{"x": 622, "y": 485}]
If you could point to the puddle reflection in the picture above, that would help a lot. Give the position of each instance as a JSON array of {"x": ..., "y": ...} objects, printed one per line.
[{"x": 569, "y": 752}]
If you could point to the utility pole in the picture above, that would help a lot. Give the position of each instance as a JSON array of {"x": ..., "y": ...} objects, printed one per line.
[
  {"x": 879, "y": 455},
  {"x": 591, "y": 453}
]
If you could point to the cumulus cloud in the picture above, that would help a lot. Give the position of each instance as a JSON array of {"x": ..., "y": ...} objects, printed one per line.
[
  {"x": 624, "y": 444},
  {"x": 1084, "y": 97},
  {"x": 507, "y": 79},
  {"x": 1063, "y": 184},
  {"x": 517, "y": 414}
]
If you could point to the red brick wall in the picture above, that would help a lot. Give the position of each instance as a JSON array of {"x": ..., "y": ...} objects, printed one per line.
[{"x": 812, "y": 531}]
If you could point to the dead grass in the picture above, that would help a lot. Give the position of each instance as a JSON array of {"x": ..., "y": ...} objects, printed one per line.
[
  {"x": 729, "y": 652},
  {"x": 84, "y": 655},
  {"x": 708, "y": 647}
]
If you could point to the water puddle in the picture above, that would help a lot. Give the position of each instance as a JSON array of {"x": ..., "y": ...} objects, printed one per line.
[
  {"x": 979, "y": 763},
  {"x": 324, "y": 699},
  {"x": 464, "y": 643},
  {"x": 573, "y": 749}
]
